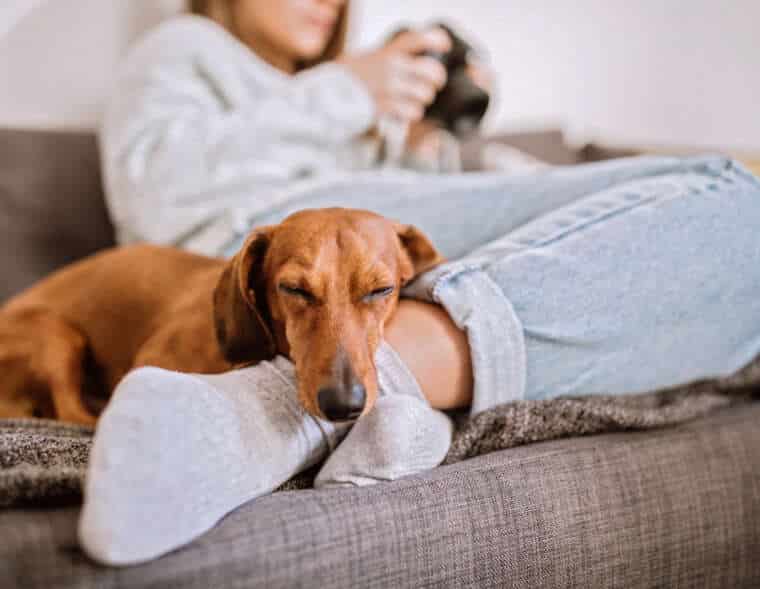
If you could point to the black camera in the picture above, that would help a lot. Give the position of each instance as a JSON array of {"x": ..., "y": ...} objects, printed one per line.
[{"x": 461, "y": 104}]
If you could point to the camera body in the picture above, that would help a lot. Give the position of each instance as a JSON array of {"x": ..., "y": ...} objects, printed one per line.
[{"x": 461, "y": 104}]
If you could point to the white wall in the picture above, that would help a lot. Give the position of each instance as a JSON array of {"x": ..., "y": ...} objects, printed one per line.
[
  {"x": 57, "y": 57},
  {"x": 667, "y": 72},
  {"x": 663, "y": 72}
]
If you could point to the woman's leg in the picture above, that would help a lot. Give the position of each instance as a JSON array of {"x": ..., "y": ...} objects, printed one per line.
[
  {"x": 646, "y": 284},
  {"x": 461, "y": 212},
  {"x": 434, "y": 350}
]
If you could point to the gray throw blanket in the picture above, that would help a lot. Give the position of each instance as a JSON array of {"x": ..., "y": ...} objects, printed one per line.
[{"x": 43, "y": 462}]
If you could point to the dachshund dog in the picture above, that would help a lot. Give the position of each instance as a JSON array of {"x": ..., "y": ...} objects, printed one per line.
[{"x": 318, "y": 288}]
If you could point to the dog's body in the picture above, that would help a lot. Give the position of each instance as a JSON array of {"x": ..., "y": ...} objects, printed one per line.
[
  {"x": 297, "y": 288},
  {"x": 123, "y": 308}
]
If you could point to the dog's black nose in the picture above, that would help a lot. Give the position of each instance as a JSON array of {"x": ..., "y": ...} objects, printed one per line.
[{"x": 339, "y": 404}]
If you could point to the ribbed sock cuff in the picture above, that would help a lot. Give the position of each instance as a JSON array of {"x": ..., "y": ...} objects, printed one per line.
[{"x": 393, "y": 376}]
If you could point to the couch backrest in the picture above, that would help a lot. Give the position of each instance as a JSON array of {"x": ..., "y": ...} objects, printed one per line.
[
  {"x": 51, "y": 204},
  {"x": 52, "y": 210}
]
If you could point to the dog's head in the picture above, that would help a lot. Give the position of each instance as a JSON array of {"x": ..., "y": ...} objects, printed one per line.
[{"x": 319, "y": 288}]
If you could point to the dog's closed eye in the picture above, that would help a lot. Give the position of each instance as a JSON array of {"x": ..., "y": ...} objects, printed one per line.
[
  {"x": 378, "y": 293},
  {"x": 297, "y": 291}
]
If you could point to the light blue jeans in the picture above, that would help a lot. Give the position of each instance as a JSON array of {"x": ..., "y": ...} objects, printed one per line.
[{"x": 608, "y": 278}]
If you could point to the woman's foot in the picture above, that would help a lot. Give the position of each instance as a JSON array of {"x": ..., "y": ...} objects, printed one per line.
[
  {"x": 402, "y": 435},
  {"x": 173, "y": 453}
]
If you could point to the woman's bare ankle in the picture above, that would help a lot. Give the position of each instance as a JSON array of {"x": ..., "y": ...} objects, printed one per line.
[{"x": 435, "y": 350}]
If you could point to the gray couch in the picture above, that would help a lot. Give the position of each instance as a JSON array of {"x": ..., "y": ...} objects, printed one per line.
[{"x": 675, "y": 507}]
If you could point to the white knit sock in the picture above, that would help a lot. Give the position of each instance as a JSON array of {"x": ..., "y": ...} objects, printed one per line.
[
  {"x": 173, "y": 453},
  {"x": 402, "y": 435}
]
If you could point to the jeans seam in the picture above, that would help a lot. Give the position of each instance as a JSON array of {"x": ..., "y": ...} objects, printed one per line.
[{"x": 558, "y": 236}]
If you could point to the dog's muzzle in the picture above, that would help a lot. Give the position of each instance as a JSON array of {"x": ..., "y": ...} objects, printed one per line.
[{"x": 342, "y": 403}]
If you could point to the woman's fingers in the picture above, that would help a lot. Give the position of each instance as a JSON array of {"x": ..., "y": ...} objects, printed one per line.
[
  {"x": 427, "y": 70},
  {"x": 401, "y": 80},
  {"x": 415, "y": 42},
  {"x": 409, "y": 84},
  {"x": 413, "y": 85},
  {"x": 417, "y": 77},
  {"x": 421, "y": 94},
  {"x": 405, "y": 110}
]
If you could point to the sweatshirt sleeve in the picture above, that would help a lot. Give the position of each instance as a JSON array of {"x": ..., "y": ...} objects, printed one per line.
[{"x": 186, "y": 138}]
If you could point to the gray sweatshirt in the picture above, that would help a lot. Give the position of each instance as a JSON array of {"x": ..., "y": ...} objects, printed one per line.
[{"x": 200, "y": 134}]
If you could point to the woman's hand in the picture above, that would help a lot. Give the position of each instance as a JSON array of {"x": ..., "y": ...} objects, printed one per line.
[{"x": 401, "y": 81}]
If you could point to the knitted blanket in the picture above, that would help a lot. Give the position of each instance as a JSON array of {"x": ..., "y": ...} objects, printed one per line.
[{"x": 43, "y": 462}]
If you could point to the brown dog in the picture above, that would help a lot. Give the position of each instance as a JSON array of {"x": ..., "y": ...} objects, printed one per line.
[{"x": 318, "y": 288}]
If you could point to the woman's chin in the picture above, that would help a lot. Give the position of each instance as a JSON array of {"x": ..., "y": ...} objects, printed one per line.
[{"x": 310, "y": 48}]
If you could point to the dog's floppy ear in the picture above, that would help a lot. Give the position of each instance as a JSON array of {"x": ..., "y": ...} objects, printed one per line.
[
  {"x": 420, "y": 251},
  {"x": 240, "y": 316}
]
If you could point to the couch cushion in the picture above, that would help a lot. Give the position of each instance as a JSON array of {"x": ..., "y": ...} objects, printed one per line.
[
  {"x": 51, "y": 204},
  {"x": 676, "y": 507}
]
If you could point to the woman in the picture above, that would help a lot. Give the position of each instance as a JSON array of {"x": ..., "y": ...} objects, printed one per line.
[{"x": 611, "y": 278}]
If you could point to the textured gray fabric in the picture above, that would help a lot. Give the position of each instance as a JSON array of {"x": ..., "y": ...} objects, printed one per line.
[
  {"x": 51, "y": 204},
  {"x": 41, "y": 461},
  {"x": 674, "y": 507},
  {"x": 523, "y": 422}
]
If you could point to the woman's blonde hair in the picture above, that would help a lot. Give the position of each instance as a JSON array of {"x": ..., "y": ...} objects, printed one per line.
[{"x": 220, "y": 11}]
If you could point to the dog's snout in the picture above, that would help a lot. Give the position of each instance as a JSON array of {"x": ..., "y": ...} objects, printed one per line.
[{"x": 342, "y": 403}]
